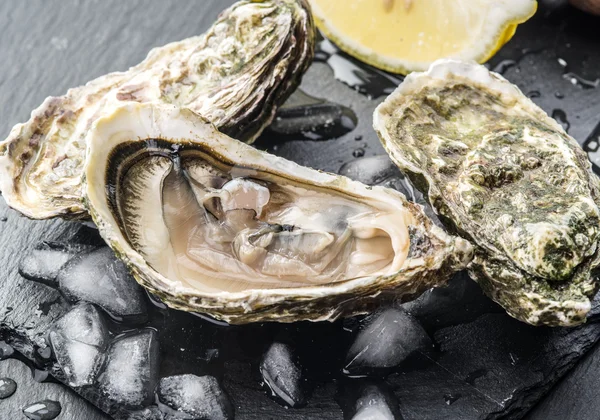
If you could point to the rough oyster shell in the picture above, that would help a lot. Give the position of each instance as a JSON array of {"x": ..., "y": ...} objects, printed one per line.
[
  {"x": 236, "y": 75},
  {"x": 508, "y": 177},
  {"x": 210, "y": 224}
]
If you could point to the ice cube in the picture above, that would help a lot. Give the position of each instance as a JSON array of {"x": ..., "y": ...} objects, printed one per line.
[
  {"x": 84, "y": 324},
  {"x": 78, "y": 340},
  {"x": 101, "y": 278},
  {"x": 47, "y": 258},
  {"x": 372, "y": 405},
  {"x": 131, "y": 369},
  {"x": 378, "y": 170},
  {"x": 194, "y": 397},
  {"x": 148, "y": 413},
  {"x": 283, "y": 375},
  {"x": 385, "y": 340}
]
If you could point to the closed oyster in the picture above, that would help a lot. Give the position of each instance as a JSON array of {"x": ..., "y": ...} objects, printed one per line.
[
  {"x": 213, "y": 225},
  {"x": 506, "y": 176},
  {"x": 236, "y": 75}
]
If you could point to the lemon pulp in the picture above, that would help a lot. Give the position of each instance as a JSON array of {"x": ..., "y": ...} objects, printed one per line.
[{"x": 407, "y": 35}]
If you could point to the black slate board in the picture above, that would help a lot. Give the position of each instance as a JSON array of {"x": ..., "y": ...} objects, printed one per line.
[{"x": 486, "y": 366}]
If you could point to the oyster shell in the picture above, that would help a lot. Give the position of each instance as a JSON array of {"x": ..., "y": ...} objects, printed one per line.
[
  {"x": 236, "y": 75},
  {"x": 213, "y": 225},
  {"x": 506, "y": 176}
]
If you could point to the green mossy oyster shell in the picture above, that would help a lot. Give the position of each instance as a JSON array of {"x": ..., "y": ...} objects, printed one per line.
[{"x": 503, "y": 174}]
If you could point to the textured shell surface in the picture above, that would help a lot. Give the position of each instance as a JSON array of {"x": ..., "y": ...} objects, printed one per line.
[
  {"x": 210, "y": 224},
  {"x": 236, "y": 75},
  {"x": 505, "y": 175}
]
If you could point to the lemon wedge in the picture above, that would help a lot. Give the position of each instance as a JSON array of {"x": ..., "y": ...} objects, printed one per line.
[{"x": 408, "y": 35}]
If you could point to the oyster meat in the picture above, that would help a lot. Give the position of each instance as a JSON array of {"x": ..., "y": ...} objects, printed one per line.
[
  {"x": 507, "y": 177},
  {"x": 235, "y": 75},
  {"x": 213, "y": 225}
]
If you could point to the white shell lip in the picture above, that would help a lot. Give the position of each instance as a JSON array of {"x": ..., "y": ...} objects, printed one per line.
[
  {"x": 149, "y": 121},
  {"x": 440, "y": 70}
]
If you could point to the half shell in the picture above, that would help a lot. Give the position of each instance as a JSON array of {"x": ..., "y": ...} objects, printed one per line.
[
  {"x": 210, "y": 224},
  {"x": 235, "y": 75},
  {"x": 508, "y": 177}
]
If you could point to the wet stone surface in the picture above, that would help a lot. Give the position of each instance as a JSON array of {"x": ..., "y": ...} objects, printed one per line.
[
  {"x": 304, "y": 117},
  {"x": 482, "y": 365},
  {"x": 29, "y": 392},
  {"x": 369, "y": 81}
]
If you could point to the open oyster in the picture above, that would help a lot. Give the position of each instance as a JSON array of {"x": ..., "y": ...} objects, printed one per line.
[
  {"x": 210, "y": 224},
  {"x": 506, "y": 176},
  {"x": 236, "y": 75}
]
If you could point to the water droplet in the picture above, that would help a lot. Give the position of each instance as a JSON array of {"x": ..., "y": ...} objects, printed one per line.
[
  {"x": 534, "y": 94},
  {"x": 212, "y": 354},
  {"x": 451, "y": 398},
  {"x": 592, "y": 146},
  {"x": 155, "y": 300},
  {"x": 561, "y": 117},
  {"x": 558, "y": 95},
  {"x": 43, "y": 410},
  {"x": 44, "y": 353},
  {"x": 504, "y": 65},
  {"x": 358, "y": 153},
  {"x": 3, "y": 219},
  {"x": 359, "y": 76},
  {"x": 40, "y": 375},
  {"x": 358, "y": 138},
  {"x": 581, "y": 82},
  {"x": 473, "y": 376},
  {"x": 562, "y": 62},
  {"x": 6, "y": 351},
  {"x": 7, "y": 387}
]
